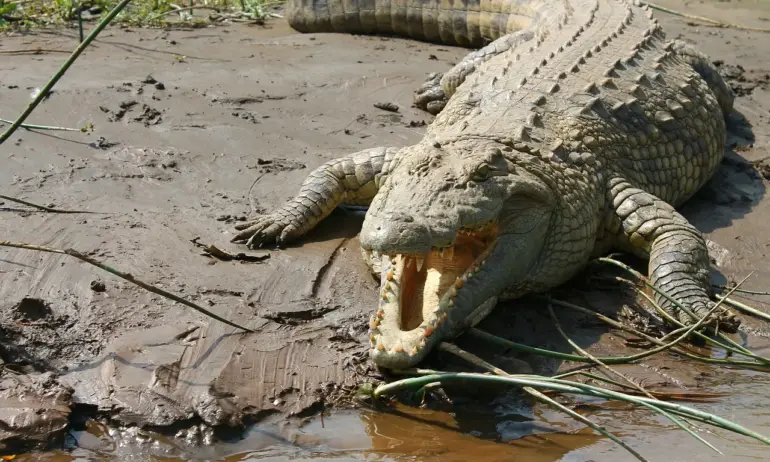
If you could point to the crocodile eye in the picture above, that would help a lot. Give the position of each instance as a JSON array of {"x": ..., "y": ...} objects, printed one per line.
[{"x": 482, "y": 173}]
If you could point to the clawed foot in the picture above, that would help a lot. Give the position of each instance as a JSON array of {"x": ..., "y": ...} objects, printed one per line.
[
  {"x": 430, "y": 96},
  {"x": 722, "y": 320},
  {"x": 268, "y": 229}
]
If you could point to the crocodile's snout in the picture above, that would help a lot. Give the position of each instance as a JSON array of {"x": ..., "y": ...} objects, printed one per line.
[{"x": 395, "y": 233}]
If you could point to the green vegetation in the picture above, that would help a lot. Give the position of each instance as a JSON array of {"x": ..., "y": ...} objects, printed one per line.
[{"x": 28, "y": 14}]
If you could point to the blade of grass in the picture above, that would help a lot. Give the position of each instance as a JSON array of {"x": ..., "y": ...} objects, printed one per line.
[
  {"x": 576, "y": 358},
  {"x": 416, "y": 371},
  {"x": 593, "y": 377},
  {"x": 706, "y": 20},
  {"x": 475, "y": 332},
  {"x": 588, "y": 355},
  {"x": 690, "y": 413},
  {"x": 663, "y": 293},
  {"x": 688, "y": 396},
  {"x": 41, "y": 207},
  {"x": 568, "y": 387},
  {"x": 679, "y": 424},
  {"x": 674, "y": 349},
  {"x": 733, "y": 347},
  {"x": 652, "y": 286},
  {"x": 31, "y": 51},
  {"x": 475, "y": 360},
  {"x": 742, "y": 291},
  {"x": 676, "y": 303},
  {"x": 58, "y": 75},
  {"x": 736, "y": 348},
  {"x": 585, "y": 420},
  {"x": 743, "y": 307},
  {"x": 128, "y": 277},
  {"x": 43, "y": 127}
]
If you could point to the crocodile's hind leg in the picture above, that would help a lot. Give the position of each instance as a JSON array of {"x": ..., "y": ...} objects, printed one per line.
[
  {"x": 433, "y": 95},
  {"x": 354, "y": 179},
  {"x": 703, "y": 66},
  {"x": 678, "y": 257}
]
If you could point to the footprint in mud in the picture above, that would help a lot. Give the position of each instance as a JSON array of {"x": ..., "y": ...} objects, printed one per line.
[
  {"x": 140, "y": 163},
  {"x": 149, "y": 116},
  {"x": 742, "y": 82},
  {"x": 249, "y": 116},
  {"x": 277, "y": 164}
]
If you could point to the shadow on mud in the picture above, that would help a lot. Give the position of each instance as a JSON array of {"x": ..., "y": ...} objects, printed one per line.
[
  {"x": 736, "y": 186},
  {"x": 735, "y": 189},
  {"x": 340, "y": 224}
]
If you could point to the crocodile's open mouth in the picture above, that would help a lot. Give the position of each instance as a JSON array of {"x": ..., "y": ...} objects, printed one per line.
[{"x": 419, "y": 293}]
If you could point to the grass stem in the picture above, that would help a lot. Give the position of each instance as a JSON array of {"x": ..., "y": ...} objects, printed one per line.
[
  {"x": 58, "y": 75},
  {"x": 126, "y": 276}
]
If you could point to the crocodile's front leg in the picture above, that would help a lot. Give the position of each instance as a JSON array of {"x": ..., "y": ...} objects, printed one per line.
[
  {"x": 354, "y": 179},
  {"x": 433, "y": 95},
  {"x": 678, "y": 257}
]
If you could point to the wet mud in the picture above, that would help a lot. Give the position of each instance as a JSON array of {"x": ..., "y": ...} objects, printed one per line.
[{"x": 196, "y": 130}]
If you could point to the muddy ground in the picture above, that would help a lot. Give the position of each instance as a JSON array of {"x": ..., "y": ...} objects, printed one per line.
[{"x": 195, "y": 130}]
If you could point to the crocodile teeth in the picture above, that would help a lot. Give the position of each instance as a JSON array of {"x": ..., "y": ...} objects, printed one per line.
[
  {"x": 450, "y": 253},
  {"x": 420, "y": 261}
]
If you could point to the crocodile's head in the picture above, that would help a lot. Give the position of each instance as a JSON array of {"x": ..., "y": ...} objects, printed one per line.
[{"x": 455, "y": 225}]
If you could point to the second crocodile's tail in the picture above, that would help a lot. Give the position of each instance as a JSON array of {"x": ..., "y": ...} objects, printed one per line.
[{"x": 469, "y": 23}]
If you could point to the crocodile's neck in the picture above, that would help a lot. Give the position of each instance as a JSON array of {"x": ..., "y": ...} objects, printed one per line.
[{"x": 529, "y": 94}]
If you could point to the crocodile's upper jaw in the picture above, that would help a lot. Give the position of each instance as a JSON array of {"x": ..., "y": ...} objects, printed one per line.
[
  {"x": 456, "y": 226},
  {"x": 419, "y": 302}
]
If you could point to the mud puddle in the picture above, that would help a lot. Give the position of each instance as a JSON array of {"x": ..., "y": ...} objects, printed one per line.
[{"x": 196, "y": 130}]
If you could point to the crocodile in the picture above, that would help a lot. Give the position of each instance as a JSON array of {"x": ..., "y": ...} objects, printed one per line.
[{"x": 574, "y": 129}]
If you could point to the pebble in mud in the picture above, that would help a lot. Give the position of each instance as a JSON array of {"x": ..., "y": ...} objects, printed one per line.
[
  {"x": 98, "y": 286},
  {"x": 387, "y": 106},
  {"x": 197, "y": 435},
  {"x": 150, "y": 80}
]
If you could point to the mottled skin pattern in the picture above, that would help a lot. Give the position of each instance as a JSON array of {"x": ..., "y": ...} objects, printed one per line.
[{"x": 577, "y": 131}]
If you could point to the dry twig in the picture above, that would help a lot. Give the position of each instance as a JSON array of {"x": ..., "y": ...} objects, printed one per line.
[
  {"x": 593, "y": 358},
  {"x": 711, "y": 22},
  {"x": 42, "y": 207},
  {"x": 128, "y": 277}
]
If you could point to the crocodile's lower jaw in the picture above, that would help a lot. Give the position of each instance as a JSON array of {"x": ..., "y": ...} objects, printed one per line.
[{"x": 419, "y": 304}]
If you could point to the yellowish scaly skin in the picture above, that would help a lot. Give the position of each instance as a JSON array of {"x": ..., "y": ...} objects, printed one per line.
[{"x": 572, "y": 133}]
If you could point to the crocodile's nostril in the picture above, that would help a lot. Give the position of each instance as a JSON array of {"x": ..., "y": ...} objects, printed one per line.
[{"x": 403, "y": 217}]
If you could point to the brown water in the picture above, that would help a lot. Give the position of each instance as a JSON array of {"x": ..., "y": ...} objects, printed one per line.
[
  {"x": 509, "y": 432},
  {"x": 365, "y": 435}
]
